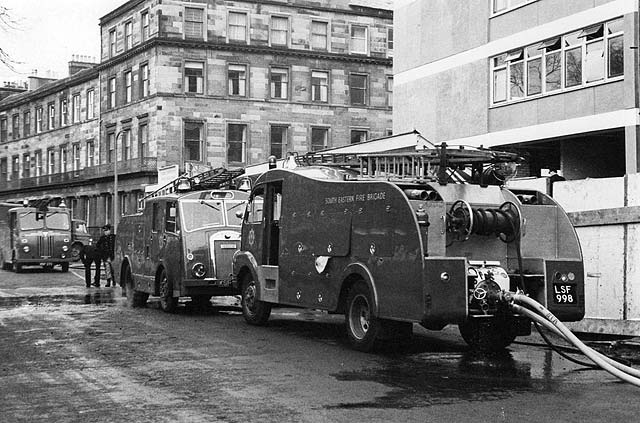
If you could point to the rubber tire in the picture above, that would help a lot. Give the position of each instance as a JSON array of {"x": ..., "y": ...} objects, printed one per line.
[
  {"x": 363, "y": 329},
  {"x": 75, "y": 251},
  {"x": 255, "y": 312},
  {"x": 65, "y": 267},
  {"x": 487, "y": 334},
  {"x": 168, "y": 303},
  {"x": 134, "y": 298}
]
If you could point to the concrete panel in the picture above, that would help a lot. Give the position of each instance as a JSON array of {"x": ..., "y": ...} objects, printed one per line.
[
  {"x": 589, "y": 194},
  {"x": 603, "y": 250},
  {"x": 608, "y": 97},
  {"x": 515, "y": 115},
  {"x": 577, "y": 103},
  {"x": 633, "y": 271},
  {"x": 633, "y": 190}
]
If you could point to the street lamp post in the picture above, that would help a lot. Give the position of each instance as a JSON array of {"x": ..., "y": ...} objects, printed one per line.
[{"x": 115, "y": 182}]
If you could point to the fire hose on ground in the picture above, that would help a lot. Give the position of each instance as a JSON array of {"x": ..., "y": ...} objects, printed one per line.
[{"x": 526, "y": 306}]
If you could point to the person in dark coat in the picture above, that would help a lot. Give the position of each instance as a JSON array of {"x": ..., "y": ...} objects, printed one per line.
[
  {"x": 89, "y": 255},
  {"x": 106, "y": 249}
]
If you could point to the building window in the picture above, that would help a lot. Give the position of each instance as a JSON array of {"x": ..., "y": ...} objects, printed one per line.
[
  {"x": 128, "y": 35},
  {"x": 143, "y": 140},
  {"x": 358, "y": 135},
  {"x": 112, "y": 43},
  {"x": 111, "y": 144},
  {"x": 63, "y": 158},
  {"x": 502, "y": 5},
  {"x": 26, "y": 165},
  {"x": 128, "y": 87},
  {"x": 39, "y": 118},
  {"x": 236, "y": 143},
  {"x": 4, "y": 130},
  {"x": 279, "y": 82},
  {"x": 390, "y": 41},
  {"x": 591, "y": 55},
  {"x": 64, "y": 112},
  {"x": 389, "y": 90},
  {"x": 91, "y": 100},
  {"x": 37, "y": 158},
  {"x": 15, "y": 126},
  {"x": 193, "y": 22},
  {"x": 91, "y": 154},
  {"x": 279, "y": 31},
  {"x": 111, "y": 92},
  {"x": 319, "y": 35},
  {"x": 26, "y": 123},
  {"x": 237, "y": 30},
  {"x": 358, "y": 89},
  {"x": 52, "y": 115},
  {"x": 319, "y": 86},
  {"x": 237, "y": 75},
  {"x": 278, "y": 141},
  {"x": 15, "y": 168},
  {"x": 144, "y": 23},
  {"x": 193, "y": 77},
  {"x": 126, "y": 144},
  {"x": 359, "y": 39},
  {"x": 319, "y": 138},
  {"x": 4, "y": 172},
  {"x": 193, "y": 141},
  {"x": 51, "y": 161},
  {"x": 75, "y": 108},
  {"x": 144, "y": 80},
  {"x": 75, "y": 157}
]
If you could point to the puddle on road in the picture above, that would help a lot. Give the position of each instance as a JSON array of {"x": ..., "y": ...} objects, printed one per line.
[
  {"x": 438, "y": 378},
  {"x": 102, "y": 297}
]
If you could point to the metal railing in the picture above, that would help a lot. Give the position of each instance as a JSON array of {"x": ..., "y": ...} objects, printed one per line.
[{"x": 125, "y": 167}]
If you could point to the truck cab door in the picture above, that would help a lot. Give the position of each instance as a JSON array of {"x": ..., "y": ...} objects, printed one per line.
[
  {"x": 272, "y": 214},
  {"x": 154, "y": 219},
  {"x": 252, "y": 228}
]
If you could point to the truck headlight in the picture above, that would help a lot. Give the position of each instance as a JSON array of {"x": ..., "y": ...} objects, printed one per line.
[
  {"x": 65, "y": 248},
  {"x": 199, "y": 270},
  {"x": 26, "y": 249}
]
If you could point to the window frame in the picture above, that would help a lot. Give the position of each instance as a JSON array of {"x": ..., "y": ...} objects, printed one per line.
[
  {"x": 26, "y": 123},
  {"x": 326, "y": 35},
  {"x": 51, "y": 161},
  {"x": 90, "y": 153},
  {"x": 243, "y": 70},
  {"x": 199, "y": 81},
  {"x": 39, "y": 118},
  {"x": 282, "y": 86},
  {"x": 200, "y": 141},
  {"x": 318, "y": 88},
  {"x": 37, "y": 159},
  {"x": 353, "y": 131},
  {"x": 111, "y": 92},
  {"x": 51, "y": 116},
  {"x": 144, "y": 80},
  {"x": 246, "y": 38},
  {"x": 145, "y": 25},
  {"x": 76, "y": 157},
  {"x": 325, "y": 131},
  {"x": 283, "y": 145},
  {"x": 364, "y": 90},
  {"x": 128, "y": 86},
  {"x": 4, "y": 129},
  {"x": 244, "y": 142},
  {"x": 15, "y": 126},
  {"x": 128, "y": 34},
  {"x": 352, "y": 39},
  {"x": 76, "y": 108},
  {"x": 202, "y": 23},
  {"x": 273, "y": 31},
  {"x": 91, "y": 103},
  {"x": 64, "y": 111},
  {"x": 509, "y": 5},
  {"x": 113, "y": 42}
]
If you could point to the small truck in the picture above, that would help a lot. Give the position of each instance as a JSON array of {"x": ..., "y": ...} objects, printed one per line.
[
  {"x": 182, "y": 241},
  {"x": 432, "y": 237}
]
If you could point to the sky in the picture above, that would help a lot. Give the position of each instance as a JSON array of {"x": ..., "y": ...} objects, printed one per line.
[{"x": 48, "y": 32}]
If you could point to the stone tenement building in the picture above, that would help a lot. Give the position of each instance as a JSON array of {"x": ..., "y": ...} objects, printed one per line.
[{"x": 198, "y": 83}]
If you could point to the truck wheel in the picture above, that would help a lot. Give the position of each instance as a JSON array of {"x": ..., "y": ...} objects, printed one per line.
[
  {"x": 255, "y": 312},
  {"x": 134, "y": 298},
  {"x": 65, "y": 267},
  {"x": 487, "y": 334},
  {"x": 363, "y": 329},
  {"x": 168, "y": 303}
]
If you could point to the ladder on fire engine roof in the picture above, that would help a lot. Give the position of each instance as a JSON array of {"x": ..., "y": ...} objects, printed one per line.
[
  {"x": 440, "y": 164},
  {"x": 218, "y": 178}
]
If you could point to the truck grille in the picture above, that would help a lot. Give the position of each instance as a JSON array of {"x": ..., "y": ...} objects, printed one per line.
[
  {"x": 223, "y": 253},
  {"x": 45, "y": 246}
]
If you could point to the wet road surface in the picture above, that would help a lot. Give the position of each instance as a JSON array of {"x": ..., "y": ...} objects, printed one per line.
[{"x": 81, "y": 355}]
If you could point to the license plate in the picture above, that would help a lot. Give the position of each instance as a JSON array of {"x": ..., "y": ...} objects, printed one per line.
[
  {"x": 228, "y": 246},
  {"x": 564, "y": 293}
]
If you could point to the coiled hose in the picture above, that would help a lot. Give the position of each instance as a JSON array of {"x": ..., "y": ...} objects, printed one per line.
[{"x": 523, "y": 305}]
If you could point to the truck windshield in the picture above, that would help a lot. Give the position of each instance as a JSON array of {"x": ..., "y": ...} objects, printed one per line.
[
  {"x": 235, "y": 212},
  {"x": 57, "y": 220},
  {"x": 28, "y": 221},
  {"x": 199, "y": 214}
]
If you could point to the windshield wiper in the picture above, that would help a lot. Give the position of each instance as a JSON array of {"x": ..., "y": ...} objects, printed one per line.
[
  {"x": 209, "y": 205},
  {"x": 239, "y": 204}
]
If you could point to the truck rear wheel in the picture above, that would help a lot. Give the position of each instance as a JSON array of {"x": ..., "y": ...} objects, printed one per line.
[
  {"x": 65, "y": 267},
  {"x": 168, "y": 303},
  {"x": 363, "y": 329},
  {"x": 487, "y": 334},
  {"x": 255, "y": 312},
  {"x": 134, "y": 298}
]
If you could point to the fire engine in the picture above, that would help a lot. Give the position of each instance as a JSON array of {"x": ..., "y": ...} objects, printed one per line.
[
  {"x": 390, "y": 239},
  {"x": 34, "y": 233},
  {"x": 182, "y": 241}
]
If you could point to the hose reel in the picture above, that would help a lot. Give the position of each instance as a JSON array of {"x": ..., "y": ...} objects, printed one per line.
[{"x": 504, "y": 222}]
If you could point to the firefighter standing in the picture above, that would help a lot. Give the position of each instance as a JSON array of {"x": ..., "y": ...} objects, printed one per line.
[
  {"x": 89, "y": 255},
  {"x": 105, "y": 247}
]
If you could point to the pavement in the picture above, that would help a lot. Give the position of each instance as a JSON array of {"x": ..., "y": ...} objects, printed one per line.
[{"x": 33, "y": 287}]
